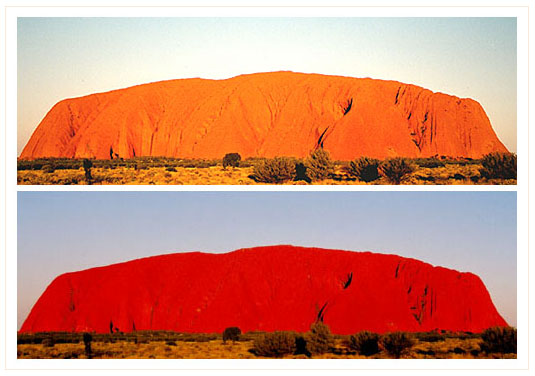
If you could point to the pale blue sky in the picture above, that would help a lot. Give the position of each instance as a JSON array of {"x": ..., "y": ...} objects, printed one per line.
[
  {"x": 61, "y": 58},
  {"x": 60, "y": 232}
]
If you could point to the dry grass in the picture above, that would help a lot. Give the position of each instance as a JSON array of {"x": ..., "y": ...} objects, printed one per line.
[
  {"x": 450, "y": 174},
  {"x": 450, "y": 348}
]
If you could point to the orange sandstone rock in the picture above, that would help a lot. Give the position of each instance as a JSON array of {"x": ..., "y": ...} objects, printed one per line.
[{"x": 265, "y": 115}]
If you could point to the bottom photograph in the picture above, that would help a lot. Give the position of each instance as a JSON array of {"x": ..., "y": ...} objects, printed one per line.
[{"x": 260, "y": 275}]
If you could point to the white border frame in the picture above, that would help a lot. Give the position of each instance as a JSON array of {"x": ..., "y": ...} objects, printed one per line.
[{"x": 9, "y": 181}]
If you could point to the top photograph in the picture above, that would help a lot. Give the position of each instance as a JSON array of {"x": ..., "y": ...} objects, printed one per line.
[{"x": 248, "y": 101}]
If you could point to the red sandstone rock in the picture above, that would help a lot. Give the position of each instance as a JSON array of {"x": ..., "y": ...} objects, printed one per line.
[
  {"x": 267, "y": 288},
  {"x": 265, "y": 115}
]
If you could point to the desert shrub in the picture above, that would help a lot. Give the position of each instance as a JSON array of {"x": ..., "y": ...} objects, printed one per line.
[
  {"x": 231, "y": 334},
  {"x": 48, "y": 342},
  {"x": 231, "y": 159},
  {"x": 429, "y": 162},
  {"x": 397, "y": 343},
  {"x": 319, "y": 165},
  {"x": 275, "y": 345},
  {"x": 430, "y": 336},
  {"x": 499, "y": 166},
  {"x": 499, "y": 340},
  {"x": 276, "y": 170},
  {"x": 365, "y": 343},
  {"x": 395, "y": 169},
  {"x": 364, "y": 169},
  {"x": 170, "y": 169},
  {"x": 48, "y": 168},
  {"x": 170, "y": 343},
  {"x": 319, "y": 338}
]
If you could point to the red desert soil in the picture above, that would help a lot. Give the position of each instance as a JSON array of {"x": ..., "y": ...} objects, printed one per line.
[
  {"x": 266, "y": 288},
  {"x": 265, "y": 115}
]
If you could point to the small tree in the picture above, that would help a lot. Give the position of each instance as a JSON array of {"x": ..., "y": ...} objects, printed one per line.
[
  {"x": 231, "y": 159},
  {"x": 365, "y": 343},
  {"x": 231, "y": 334},
  {"x": 87, "y": 164},
  {"x": 275, "y": 345},
  {"x": 87, "y": 342},
  {"x": 397, "y": 343},
  {"x": 319, "y": 338},
  {"x": 364, "y": 168},
  {"x": 319, "y": 165},
  {"x": 395, "y": 169}
]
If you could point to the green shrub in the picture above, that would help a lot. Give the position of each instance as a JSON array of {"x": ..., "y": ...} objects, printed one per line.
[
  {"x": 397, "y": 343},
  {"x": 319, "y": 165},
  {"x": 365, "y": 343},
  {"x": 275, "y": 345},
  {"x": 274, "y": 171},
  {"x": 499, "y": 166},
  {"x": 364, "y": 169},
  {"x": 395, "y": 169},
  {"x": 231, "y": 334},
  {"x": 499, "y": 340},
  {"x": 231, "y": 159},
  {"x": 319, "y": 339}
]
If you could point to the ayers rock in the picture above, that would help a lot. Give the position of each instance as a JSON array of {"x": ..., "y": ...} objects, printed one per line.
[
  {"x": 265, "y": 115},
  {"x": 267, "y": 288}
]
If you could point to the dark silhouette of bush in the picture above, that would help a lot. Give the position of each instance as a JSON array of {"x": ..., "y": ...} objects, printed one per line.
[
  {"x": 364, "y": 168},
  {"x": 319, "y": 165},
  {"x": 48, "y": 342},
  {"x": 397, "y": 343},
  {"x": 274, "y": 171},
  {"x": 365, "y": 343},
  {"x": 301, "y": 172},
  {"x": 499, "y": 340},
  {"x": 499, "y": 166},
  {"x": 87, "y": 337},
  {"x": 274, "y": 345},
  {"x": 231, "y": 159},
  {"x": 87, "y": 164},
  {"x": 231, "y": 334},
  {"x": 301, "y": 346},
  {"x": 395, "y": 169},
  {"x": 319, "y": 338}
]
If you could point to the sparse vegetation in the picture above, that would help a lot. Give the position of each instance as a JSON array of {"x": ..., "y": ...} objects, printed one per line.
[
  {"x": 395, "y": 169},
  {"x": 174, "y": 171},
  {"x": 499, "y": 166},
  {"x": 499, "y": 340},
  {"x": 365, "y": 343},
  {"x": 319, "y": 165},
  {"x": 364, "y": 169},
  {"x": 174, "y": 345},
  {"x": 397, "y": 343}
]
